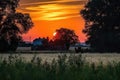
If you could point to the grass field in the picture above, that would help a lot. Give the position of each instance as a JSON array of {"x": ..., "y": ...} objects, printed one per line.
[
  {"x": 89, "y": 57},
  {"x": 63, "y": 67}
]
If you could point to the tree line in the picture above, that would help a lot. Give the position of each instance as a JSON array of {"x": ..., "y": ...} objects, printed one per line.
[
  {"x": 62, "y": 40},
  {"x": 102, "y": 26}
]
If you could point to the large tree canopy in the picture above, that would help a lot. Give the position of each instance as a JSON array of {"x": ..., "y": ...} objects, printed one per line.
[
  {"x": 12, "y": 24},
  {"x": 102, "y": 26},
  {"x": 65, "y": 37}
]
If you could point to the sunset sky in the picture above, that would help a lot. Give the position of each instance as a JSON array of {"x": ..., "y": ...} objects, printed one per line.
[{"x": 49, "y": 15}]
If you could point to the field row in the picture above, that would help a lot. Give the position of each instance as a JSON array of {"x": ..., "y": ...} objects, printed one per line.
[{"x": 88, "y": 57}]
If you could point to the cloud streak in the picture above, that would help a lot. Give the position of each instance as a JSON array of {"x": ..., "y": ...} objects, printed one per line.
[{"x": 52, "y": 9}]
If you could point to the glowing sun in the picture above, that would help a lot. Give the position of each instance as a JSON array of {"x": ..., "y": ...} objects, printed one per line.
[{"x": 54, "y": 34}]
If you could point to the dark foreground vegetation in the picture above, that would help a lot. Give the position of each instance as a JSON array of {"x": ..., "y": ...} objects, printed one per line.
[{"x": 65, "y": 68}]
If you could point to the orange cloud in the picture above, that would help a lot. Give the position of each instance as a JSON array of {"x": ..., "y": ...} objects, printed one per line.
[{"x": 49, "y": 15}]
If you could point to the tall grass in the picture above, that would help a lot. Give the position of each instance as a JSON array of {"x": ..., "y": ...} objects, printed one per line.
[{"x": 64, "y": 68}]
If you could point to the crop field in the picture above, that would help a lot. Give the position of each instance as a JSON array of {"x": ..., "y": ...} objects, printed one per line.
[
  {"x": 60, "y": 66},
  {"x": 88, "y": 57}
]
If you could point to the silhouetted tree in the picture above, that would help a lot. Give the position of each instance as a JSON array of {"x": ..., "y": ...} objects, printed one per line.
[
  {"x": 65, "y": 37},
  {"x": 12, "y": 25},
  {"x": 102, "y": 25}
]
